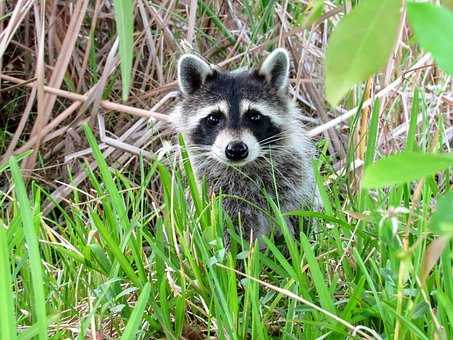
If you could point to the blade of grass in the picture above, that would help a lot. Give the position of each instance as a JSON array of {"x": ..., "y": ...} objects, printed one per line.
[
  {"x": 194, "y": 190},
  {"x": 31, "y": 239},
  {"x": 318, "y": 278},
  {"x": 136, "y": 317},
  {"x": 115, "y": 249},
  {"x": 408, "y": 323},
  {"x": 354, "y": 299},
  {"x": 116, "y": 200},
  {"x": 252, "y": 290},
  {"x": 372, "y": 285},
  {"x": 124, "y": 17},
  {"x": 8, "y": 320},
  {"x": 373, "y": 132},
  {"x": 410, "y": 142},
  {"x": 217, "y": 22}
]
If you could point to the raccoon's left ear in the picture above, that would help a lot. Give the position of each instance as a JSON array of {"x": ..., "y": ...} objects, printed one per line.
[{"x": 275, "y": 69}]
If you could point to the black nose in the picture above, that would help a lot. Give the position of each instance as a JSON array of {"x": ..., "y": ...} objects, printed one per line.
[{"x": 236, "y": 151}]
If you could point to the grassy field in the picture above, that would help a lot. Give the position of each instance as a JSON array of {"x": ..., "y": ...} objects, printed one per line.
[{"x": 99, "y": 240}]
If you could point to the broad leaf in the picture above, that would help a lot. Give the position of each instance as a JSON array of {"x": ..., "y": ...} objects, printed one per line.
[
  {"x": 433, "y": 27},
  {"x": 360, "y": 45},
  {"x": 404, "y": 167},
  {"x": 124, "y": 17}
]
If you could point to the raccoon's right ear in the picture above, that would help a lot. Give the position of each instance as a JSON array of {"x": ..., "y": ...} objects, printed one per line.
[{"x": 192, "y": 73}]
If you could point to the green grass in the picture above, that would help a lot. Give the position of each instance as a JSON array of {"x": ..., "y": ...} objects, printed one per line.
[
  {"x": 26, "y": 217},
  {"x": 126, "y": 255},
  {"x": 140, "y": 268}
]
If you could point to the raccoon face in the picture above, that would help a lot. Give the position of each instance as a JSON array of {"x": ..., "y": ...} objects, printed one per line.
[{"x": 234, "y": 117}]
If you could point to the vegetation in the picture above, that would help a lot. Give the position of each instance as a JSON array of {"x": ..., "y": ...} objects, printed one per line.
[{"x": 98, "y": 238}]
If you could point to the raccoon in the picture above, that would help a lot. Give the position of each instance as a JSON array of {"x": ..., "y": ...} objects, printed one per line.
[{"x": 245, "y": 139}]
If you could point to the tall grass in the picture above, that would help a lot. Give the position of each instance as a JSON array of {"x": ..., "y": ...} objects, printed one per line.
[
  {"x": 119, "y": 265},
  {"x": 136, "y": 250}
]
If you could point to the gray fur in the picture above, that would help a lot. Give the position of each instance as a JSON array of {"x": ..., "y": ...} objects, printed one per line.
[
  {"x": 283, "y": 170},
  {"x": 192, "y": 72},
  {"x": 275, "y": 69}
]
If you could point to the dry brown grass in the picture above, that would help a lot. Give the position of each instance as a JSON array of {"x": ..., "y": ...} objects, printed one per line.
[{"x": 59, "y": 68}]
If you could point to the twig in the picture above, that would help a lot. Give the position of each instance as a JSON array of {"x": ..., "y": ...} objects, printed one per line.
[
  {"x": 62, "y": 116},
  {"x": 59, "y": 71},
  {"x": 107, "y": 105},
  {"x": 118, "y": 144},
  {"x": 59, "y": 194}
]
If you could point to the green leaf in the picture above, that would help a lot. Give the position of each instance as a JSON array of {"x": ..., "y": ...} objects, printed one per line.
[
  {"x": 124, "y": 17},
  {"x": 135, "y": 319},
  {"x": 360, "y": 45},
  {"x": 433, "y": 27},
  {"x": 404, "y": 167}
]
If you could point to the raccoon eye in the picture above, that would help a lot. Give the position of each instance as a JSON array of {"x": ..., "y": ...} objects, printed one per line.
[
  {"x": 254, "y": 116},
  {"x": 214, "y": 119}
]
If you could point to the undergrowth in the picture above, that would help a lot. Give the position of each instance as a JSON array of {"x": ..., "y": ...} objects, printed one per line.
[
  {"x": 137, "y": 250},
  {"x": 116, "y": 259}
]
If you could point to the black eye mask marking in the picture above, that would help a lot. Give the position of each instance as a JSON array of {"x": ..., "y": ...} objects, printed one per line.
[
  {"x": 233, "y": 88},
  {"x": 253, "y": 116},
  {"x": 261, "y": 126},
  {"x": 208, "y": 128},
  {"x": 214, "y": 119},
  {"x": 263, "y": 130}
]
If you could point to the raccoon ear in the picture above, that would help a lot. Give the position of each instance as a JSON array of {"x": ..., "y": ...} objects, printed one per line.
[
  {"x": 192, "y": 73},
  {"x": 275, "y": 69}
]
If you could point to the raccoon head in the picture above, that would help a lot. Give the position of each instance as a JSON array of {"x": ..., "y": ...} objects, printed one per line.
[{"x": 233, "y": 117}]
